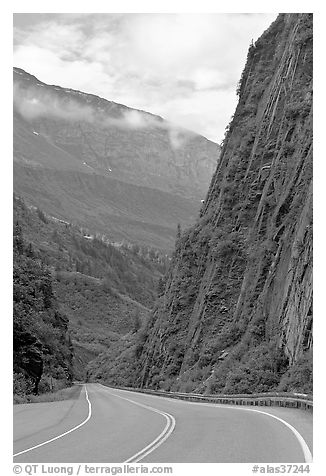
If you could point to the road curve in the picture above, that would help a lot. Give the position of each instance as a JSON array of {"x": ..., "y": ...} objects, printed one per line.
[{"x": 105, "y": 425}]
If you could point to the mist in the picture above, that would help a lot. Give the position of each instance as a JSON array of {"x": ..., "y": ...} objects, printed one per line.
[{"x": 35, "y": 102}]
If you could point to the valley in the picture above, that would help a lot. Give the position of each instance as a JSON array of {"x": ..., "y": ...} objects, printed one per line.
[
  {"x": 104, "y": 291},
  {"x": 175, "y": 265}
]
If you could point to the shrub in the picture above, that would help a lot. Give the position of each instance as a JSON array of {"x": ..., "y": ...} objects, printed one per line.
[
  {"x": 41, "y": 215},
  {"x": 187, "y": 387},
  {"x": 250, "y": 370},
  {"x": 22, "y": 385},
  {"x": 299, "y": 377}
]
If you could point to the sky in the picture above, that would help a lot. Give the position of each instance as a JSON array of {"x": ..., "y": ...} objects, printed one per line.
[{"x": 183, "y": 67}]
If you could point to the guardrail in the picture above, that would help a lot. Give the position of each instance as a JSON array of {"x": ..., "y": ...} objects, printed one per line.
[{"x": 293, "y": 400}]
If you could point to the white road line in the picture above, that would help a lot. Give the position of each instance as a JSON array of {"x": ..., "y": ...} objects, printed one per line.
[
  {"x": 163, "y": 436},
  {"x": 66, "y": 432},
  {"x": 305, "y": 448}
]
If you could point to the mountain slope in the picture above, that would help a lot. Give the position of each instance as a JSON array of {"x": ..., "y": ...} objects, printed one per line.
[
  {"x": 104, "y": 291},
  {"x": 236, "y": 312},
  {"x": 119, "y": 210},
  {"x": 105, "y": 166},
  {"x": 41, "y": 342}
]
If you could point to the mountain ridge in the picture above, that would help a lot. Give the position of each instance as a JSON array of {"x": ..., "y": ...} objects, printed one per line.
[{"x": 59, "y": 129}]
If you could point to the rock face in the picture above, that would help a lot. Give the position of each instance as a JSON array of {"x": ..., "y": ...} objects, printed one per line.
[
  {"x": 236, "y": 311},
  {"x": 105, "y": 166}
]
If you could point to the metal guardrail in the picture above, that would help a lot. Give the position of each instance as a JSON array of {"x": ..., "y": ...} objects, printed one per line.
[{"x": 293, "y": 400}]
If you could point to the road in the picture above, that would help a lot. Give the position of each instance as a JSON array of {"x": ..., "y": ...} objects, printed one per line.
[{"x": 105, "y": 425}]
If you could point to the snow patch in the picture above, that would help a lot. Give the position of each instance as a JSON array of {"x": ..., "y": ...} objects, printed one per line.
[{"x": 59, "y": 221}]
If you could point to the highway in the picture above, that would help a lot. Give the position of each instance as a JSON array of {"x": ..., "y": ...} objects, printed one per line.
[{"x": 105, "y": 425}]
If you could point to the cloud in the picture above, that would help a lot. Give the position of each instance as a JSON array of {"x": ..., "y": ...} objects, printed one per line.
[
  {"x": 178, "y": 138},
  {"x": 210, "y": 111},
  {"x": 154, "y": 62},
  {"x": 34, "y": 102},
  {"x": 51, "y": 68}
]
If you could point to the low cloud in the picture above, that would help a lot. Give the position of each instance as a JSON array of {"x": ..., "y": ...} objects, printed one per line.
[
  {"x": 147, "y": 61},
  {"x": 31, "y": 104},
  {"x": 38, "y": 101}
]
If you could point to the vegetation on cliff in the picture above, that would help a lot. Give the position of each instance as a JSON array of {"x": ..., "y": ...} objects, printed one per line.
[
  {"x": 42, "y": 347},
  {"x": 235, "y": 312}
]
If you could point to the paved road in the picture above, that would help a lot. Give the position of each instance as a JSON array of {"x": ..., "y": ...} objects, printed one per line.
[{"x": 105, "y": 425}]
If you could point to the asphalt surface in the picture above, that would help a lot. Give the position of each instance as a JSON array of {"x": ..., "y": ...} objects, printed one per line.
[{"x": 106, "y": 425}]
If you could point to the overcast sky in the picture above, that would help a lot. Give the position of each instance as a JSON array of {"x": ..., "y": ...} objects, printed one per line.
[{"x": 183, "y": 67}]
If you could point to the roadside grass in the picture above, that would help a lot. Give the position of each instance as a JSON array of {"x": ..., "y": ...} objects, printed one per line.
[{"x": 68, "y": 393}]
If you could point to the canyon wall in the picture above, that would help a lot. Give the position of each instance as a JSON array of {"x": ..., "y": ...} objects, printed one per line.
[{"x": 235, "y": 311}]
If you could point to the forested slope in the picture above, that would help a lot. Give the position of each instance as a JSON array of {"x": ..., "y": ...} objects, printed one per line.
[
  {"x": 91, "y": 291},
  {"x": 41, "y": 341}
]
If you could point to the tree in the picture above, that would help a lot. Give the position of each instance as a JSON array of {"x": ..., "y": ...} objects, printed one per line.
[
  {"x": 179, "y": 231},
  {"x": 18, "y": 238}
]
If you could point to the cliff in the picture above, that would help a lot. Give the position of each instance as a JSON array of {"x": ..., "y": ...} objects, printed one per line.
[{"x": 235, "y": 314}]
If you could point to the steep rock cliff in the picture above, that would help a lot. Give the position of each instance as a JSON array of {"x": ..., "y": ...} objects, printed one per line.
[{"x": 236, "y": 311}]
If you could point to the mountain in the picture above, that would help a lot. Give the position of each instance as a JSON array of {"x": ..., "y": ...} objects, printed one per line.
[
  {"x": 99, "y": 292},
  {"x": 113, "y": 169},
  {"x": 235, "y": 314}
]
